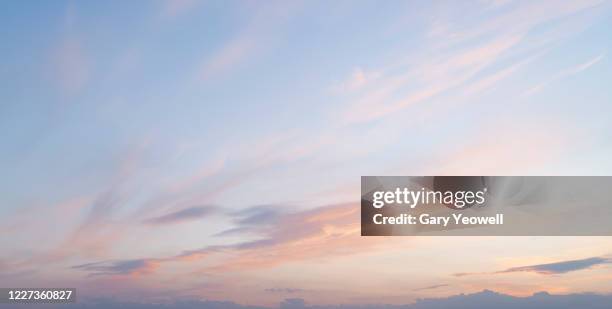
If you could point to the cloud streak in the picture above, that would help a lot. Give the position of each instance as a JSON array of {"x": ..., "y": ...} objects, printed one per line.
[
  {"x": 560, "y": 267},
  {"x": 261, "y": 27},
  {"x": 123, "y": 268},
  {"x": 326, "y": 231},
  {"x": 431, "y": 287},
  {"x": 555, "y": 268},
  {"x": 459, "y": 62},
  {"x": 564, "y": 74},
  {"x": 184, "y": 215}
]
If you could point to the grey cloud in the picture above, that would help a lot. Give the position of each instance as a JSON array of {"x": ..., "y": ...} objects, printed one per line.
[
  {"x": 233, "y": 231},
  {"x": 560, "y": 267},
  {"x": 468, "y": 274},
  {"x": 430, "y": 287},
  {"x": 286, "y": 227},
  {"x": 238, "y": 246},
  {"x": 550, "y": 268},
  {"x": 123, "y": 267},
  {"x": 252, "y": 219},
  {"x": 257, "y": 215},
  {"x": 187, "y": 214}
]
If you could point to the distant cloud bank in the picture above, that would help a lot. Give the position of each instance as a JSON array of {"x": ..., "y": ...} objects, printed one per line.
[{"x": 484, "y": 299}]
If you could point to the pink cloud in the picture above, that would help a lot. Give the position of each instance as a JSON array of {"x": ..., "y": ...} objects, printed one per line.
[{"x": 313, "y": 234}]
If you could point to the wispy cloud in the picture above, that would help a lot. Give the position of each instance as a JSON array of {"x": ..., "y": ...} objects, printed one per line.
[
  {"x": 489, "y": 81},
  {"x": 228, "y": 56},
  {"x": 457, "y": 57},
  {"x": 431, "y": 79},
  {"x": 555, "y": 268},
  {"x": 326, "y": 231},
  {"x": 72, "y": 65},
  {"x": 483, "y": 152},
  {"x": 120, "y": 218},
  {"x": 187, "y": 214},
  {"x": 262, "y": 26},
  {"x": 560, "y": 267},
  {"x": 253, "y": 219},
  {"x": 293, "y": 236},
  {"x": 71, "y": 61},
  {"x": 358, "y": 79},
  {"x": 564, "y": 74},
  {"x": 431, "y": 287},
  {"x": 127, "y": 267},
  {"x": 98, "y": 230}
]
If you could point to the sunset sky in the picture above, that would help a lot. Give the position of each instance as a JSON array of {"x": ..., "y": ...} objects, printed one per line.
[{"x": 168, "y": 150}]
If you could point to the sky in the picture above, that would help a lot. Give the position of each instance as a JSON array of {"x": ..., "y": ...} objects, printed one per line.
[{"x": 212, "y": 150}]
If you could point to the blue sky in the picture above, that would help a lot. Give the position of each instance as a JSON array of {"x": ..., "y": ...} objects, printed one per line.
[{"x": 242, "y": 116}]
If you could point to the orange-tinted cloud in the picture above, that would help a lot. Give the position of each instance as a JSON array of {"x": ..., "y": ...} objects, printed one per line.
[{"x": 318, "y": 233}]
